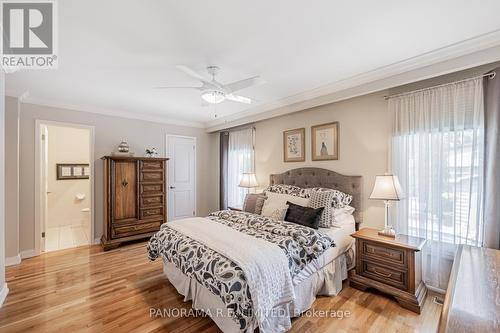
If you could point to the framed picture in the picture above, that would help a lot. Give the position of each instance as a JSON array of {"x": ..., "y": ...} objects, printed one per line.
[
  {"x": 72, "y": 171},
  {"x": 325, "y": 142},
  {"x": 294, "y": 146}
]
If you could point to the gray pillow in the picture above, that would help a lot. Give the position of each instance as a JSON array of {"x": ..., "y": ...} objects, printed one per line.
[
  {"x": 323, "y": 199},
  {"x": 253, "y": 203}
]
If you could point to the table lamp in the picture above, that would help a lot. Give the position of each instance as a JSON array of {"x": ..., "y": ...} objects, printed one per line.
[
  {"x": 387, "y": 188},
  {"x": 248, "y": 180}
]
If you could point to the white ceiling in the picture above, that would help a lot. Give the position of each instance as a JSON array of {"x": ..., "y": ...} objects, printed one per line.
[{"x": 112, "y": 53}]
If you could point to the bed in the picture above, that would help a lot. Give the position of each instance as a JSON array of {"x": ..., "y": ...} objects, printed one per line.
[{"x": 228, "y": 266}]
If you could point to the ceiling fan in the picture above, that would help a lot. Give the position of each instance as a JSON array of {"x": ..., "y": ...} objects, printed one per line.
[{"x": 215, "y": 92}]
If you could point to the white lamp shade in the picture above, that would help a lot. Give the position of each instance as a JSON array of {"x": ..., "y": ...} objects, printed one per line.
[
  {"x": 248, "y": 180},
  {"x": 387, "y": 187}
]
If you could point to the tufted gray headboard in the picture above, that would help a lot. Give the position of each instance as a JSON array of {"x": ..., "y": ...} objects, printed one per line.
[{"x": 317, "y": 177}]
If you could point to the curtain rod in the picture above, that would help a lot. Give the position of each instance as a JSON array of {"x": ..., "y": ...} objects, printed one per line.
[
  {"x": 236, "y": 128},
  {"x": 490, "y": 75}
]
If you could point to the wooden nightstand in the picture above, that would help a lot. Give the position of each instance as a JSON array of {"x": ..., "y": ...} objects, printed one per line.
[{"x": 390, "y": 265}]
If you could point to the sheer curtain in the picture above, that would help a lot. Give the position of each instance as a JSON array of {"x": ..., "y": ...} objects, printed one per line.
[
  {"x": 437, "y": 153},
  {"x": 492, "y": 161},
  {"x": 240, "y": 160}
]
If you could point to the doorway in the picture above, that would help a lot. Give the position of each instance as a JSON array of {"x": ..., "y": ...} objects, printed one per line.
[
  {"x": 181, "y": 176},
  {"x": 65, "y": 187}
]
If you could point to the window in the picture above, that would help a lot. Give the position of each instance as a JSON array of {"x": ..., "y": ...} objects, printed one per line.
[
  {"x": 240, "y": 160},
  {"x": 437, "y": 153},
  {"x": 443, "y": 185}
]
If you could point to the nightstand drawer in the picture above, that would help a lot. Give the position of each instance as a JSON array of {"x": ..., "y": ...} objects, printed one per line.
[
  {"x": 383, "y": 252},
  {"x": 384, "y": 274}
]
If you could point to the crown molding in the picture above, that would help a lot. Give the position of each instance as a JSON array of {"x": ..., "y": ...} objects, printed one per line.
[
  {"x": 107, "y": 112},
  {"x": 473, "y": 52}
]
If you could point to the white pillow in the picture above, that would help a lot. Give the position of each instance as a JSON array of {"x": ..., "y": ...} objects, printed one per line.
[
  {"x": 343, "y": 216},
  {"x": 275, "y": 204},
  {"x": 283, "y": 198},
  {"x": 275, "y": 212},
  {"x": 344, "y": 210}
]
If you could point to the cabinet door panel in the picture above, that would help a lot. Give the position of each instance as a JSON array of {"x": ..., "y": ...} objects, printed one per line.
[{"x": 125, "y": 205}]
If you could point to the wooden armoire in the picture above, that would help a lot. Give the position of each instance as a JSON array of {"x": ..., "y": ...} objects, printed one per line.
[{"x": 135, "y": 198}]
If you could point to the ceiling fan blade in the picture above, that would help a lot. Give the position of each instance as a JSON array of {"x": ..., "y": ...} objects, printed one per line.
[
  {"x": 197, "y": 88},
  {"x": 242, "y": 84},
  {"x": 192, "y": 73},
  {"x": 237, "y": 98}
]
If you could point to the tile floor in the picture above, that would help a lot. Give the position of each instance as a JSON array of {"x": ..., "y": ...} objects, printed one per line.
[{"x": 64, "y": 237}]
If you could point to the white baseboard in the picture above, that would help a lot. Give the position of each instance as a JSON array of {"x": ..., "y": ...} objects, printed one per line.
[
  {"x": 3, "y": 293},
  {"x": 15, "y": 260},
  {"x": 28, "y": 254},
  {"x": 437, "y": 290}
]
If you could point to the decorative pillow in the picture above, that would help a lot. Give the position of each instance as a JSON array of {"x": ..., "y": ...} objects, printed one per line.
[
  {"x": 288, "y": 189},
  {"x": 305, "y": 216},
  {"x": 253, "y": 203},
  {"x": 283, "y": 198},
  {"x": 323, "y": 199},
  {"x": 274, "y": 210},
  {"x": 340, "y": 200},
  {"x": 259, "y": 204}
]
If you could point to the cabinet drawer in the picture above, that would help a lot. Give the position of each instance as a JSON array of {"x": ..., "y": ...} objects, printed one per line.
[
  {"x": 152, "y": 201},
  {"x": 148, "y": 213},
  {"x": 135, "y": 229},
  {"x": 148, "y": 189},
  {"x": 384, "y": 274},
  {"x": 152, "y": 176},
  {"x": 151, "y": 165},
  {"x": 377, "y": 251}
]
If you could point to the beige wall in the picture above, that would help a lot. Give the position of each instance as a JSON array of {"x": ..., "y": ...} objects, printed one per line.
[
  {"x": 109, "y": 131},
  {"x": 12, "y": 177},
  {"x": 364, "y": 138},
  {"x": 364, "y": 134},
  {"x": 67, "y": 145}
]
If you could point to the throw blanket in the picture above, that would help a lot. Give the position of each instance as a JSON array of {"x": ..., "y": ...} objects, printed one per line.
[
  {"x": 222, "y": 275},
  {"x": 264, "y": 264}
]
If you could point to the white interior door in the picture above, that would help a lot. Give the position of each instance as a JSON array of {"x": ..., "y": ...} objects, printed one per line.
[{"x": 181, "y": 177}]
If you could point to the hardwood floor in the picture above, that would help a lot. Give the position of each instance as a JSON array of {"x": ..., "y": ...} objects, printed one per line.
[{"x": 88, "y": 290}]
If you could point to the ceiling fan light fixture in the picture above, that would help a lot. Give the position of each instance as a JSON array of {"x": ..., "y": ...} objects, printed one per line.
[{"x": 213, "y": 96}]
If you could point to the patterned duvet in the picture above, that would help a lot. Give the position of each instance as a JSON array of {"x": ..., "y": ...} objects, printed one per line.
[{"x": 223, "y": 277}]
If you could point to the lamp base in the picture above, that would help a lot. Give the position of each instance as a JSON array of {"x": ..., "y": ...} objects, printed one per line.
[{"x": 388, "y": 232}]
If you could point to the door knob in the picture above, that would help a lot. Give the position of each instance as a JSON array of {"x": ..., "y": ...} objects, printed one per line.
[{"x": 172, "y": 187}]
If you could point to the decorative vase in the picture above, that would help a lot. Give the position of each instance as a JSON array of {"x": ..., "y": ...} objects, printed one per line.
[{"x": 123, "y": 147}]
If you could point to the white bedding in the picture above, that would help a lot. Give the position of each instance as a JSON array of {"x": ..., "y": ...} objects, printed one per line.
[
  {"x": 264, "y": 263},
  {"x": 343, "y": 242},
  {"x": 322, "y": 276}
]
